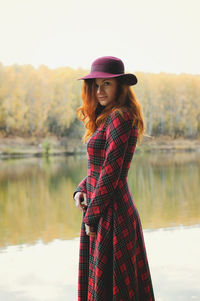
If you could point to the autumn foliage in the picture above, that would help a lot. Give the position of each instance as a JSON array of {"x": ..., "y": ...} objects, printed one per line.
[{"x": 41, "y": 101}]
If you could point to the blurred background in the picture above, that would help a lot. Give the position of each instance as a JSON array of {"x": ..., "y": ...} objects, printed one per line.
[{"x": 45, "y": 47}]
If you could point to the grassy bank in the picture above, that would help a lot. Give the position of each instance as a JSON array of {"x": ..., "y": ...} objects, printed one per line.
[
  {"x": 166, "y": 143},
  {"x": 49, "y": 146},
  {"x": 21, "y": 147}
]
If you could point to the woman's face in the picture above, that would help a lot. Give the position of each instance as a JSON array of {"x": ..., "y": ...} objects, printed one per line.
[{"x": 106, "y": 90}]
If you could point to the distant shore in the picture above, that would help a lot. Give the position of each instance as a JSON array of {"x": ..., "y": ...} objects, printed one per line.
[{"x": 54, "y": 146}]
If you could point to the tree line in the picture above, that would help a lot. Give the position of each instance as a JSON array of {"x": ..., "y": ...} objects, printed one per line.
[{"x": 42, "y": 101}]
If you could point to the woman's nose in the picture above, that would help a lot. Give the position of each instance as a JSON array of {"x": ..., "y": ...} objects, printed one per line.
[{"x": 99, "y": 89}]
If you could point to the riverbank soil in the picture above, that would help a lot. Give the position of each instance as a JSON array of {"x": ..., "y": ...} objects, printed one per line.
[{"x": 52, "y": 145}]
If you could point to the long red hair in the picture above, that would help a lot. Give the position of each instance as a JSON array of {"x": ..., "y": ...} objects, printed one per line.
[{"x": 92, "y": 114}]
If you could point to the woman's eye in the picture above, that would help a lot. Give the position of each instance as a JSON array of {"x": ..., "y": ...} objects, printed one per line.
[{"x": 105, "y": 84}]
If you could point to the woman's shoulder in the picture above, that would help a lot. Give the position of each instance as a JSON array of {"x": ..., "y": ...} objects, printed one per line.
[
  {"x": 121, "y": 113},
  {"x": 118, "y": 119}
]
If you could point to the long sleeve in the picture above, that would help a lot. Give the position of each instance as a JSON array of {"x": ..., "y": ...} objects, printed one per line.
[
  {"x": 81, "y": 187},
  {"x": 117, "y": 135}
]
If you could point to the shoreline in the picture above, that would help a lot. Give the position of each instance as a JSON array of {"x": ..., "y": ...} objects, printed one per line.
[{"x": 18, "y": 147}]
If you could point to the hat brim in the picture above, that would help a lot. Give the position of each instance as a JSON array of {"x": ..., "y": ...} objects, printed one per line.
[{"x": 129, "y": 78}]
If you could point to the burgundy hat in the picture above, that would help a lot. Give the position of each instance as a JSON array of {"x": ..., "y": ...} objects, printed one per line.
[{"x": 108, "y": 67}]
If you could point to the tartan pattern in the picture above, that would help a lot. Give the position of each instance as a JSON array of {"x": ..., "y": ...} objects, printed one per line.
[{"x": 113, "y": 265}]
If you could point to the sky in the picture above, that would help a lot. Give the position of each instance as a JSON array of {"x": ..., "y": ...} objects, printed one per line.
[{"x": 148, "y": 35}]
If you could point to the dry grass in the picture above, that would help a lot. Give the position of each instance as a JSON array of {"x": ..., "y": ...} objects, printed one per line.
[{"x": 18, "y": 146}]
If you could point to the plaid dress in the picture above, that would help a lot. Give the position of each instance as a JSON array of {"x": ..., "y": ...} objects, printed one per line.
[{"x": 113, "y": 265}]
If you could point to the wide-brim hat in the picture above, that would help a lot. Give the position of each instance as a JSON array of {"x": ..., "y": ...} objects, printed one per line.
[{"x": 109, "y": 67}]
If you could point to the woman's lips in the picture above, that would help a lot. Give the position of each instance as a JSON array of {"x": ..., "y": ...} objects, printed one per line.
[{"x": 102, "y": 97}]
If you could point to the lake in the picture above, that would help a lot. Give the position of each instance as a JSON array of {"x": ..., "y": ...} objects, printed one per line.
[{"x": 39, "y": 224}]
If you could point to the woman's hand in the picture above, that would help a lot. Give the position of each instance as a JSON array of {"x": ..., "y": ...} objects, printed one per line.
[
  {"x": 81, "y": 200},
  {"x": 89, "y": 231}
]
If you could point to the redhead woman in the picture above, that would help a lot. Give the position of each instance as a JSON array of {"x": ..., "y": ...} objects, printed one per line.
[{"x": 113, "y": 262}]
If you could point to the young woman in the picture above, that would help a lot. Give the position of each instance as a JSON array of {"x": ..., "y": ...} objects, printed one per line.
[{"x": 112, "y": 261}]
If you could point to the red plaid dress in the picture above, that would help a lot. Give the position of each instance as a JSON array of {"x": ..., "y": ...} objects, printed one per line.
[{"x": 113, "y": 265}]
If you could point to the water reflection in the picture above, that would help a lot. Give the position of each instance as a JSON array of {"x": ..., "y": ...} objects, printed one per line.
[
  {"x": 166, "y": 189},
  {"x": 39, "y": 272},
  {"x": 49, "y": 271},
  {"x": 36, "y": 195}
]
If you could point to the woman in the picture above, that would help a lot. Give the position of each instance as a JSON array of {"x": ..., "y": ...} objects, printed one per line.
[{"x": 112, "y": 261}]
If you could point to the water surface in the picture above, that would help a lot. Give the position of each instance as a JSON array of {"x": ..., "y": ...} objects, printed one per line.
[{"x": 39, "y": 224}]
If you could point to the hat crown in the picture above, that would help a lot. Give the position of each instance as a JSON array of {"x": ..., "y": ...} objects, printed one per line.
[
  {"x": 108, "y": 64},
  {"x": 110, "y": 67}
]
